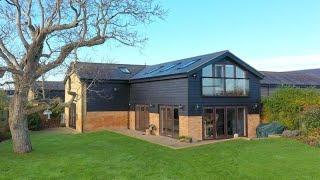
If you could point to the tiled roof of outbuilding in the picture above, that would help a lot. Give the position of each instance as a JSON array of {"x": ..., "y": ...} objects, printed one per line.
[{"x": 309, "y": 77}]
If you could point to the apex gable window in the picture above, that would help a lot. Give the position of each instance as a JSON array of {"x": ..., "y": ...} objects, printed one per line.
[{"x": 224, "y": 80}]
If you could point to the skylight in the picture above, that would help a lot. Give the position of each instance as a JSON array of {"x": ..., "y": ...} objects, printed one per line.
[
  {"x": 124, "y": 70},
  {"x": 188, "y": 64}
]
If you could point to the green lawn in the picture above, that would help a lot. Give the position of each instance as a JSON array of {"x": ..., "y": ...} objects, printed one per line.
[{"x": 106, "y": 155}]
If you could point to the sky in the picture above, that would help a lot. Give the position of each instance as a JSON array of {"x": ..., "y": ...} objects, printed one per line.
[{"x": 274, "y": 35}]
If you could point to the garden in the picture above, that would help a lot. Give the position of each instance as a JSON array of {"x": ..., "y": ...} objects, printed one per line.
[
  {"x": 36, "y": 121},
  {"x": 297, "y": 110},
  {"x": 107, "y": 155}
]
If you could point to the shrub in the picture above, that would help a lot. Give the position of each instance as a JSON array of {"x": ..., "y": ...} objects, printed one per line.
[
  {"x": 287, "y": 103},
  {"x": 312, "y": 137},
  {"x": 5, "y": 135},
  {"x": 185, "y": 139},
  {"x": 34, "y": 122},
  {"x": 310, "y": 118}
]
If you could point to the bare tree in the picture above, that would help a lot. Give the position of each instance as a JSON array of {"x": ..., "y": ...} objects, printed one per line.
[{"x": 37, "y": 36}]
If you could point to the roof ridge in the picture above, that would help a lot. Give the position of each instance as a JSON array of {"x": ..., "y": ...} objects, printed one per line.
[{"x": 101, "y": 63}]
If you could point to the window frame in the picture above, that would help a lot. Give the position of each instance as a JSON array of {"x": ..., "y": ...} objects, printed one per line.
[{"x": 224, "y": 78}]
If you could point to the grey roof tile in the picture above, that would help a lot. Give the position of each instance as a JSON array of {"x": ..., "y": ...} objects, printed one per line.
[
  {"x": 104, "y": 71},
  {"x": 309, "y": 77}
]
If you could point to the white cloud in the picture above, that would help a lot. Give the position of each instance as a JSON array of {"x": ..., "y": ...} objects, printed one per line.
[{"x": 286, "y": 63}]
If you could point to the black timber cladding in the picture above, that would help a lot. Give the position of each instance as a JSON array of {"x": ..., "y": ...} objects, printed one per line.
[
  {"x": 108, "y": 96},
  {"x": 161, "y": 92},
  {"x": 52, "y": 89},
  {"x": 108, "y": 86}
]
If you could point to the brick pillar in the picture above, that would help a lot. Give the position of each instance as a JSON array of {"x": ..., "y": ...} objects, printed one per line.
[
  {"x": 253, "y": 122},
  {"x": 183, "y": 126},
  {"x": 154, "y": 119},
  {"x": 132, "y": 120},
  {"x": 195, "y": 127}
]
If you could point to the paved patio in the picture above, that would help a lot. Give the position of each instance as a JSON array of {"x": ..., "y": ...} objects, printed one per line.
[{"x": 165, "y": 141}]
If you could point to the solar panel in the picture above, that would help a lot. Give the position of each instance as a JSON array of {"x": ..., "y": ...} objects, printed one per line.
[
  {"x": 188, "y": 64},
  {"x": 153, "y": 70},
  {"x": 169, "y": 67}
]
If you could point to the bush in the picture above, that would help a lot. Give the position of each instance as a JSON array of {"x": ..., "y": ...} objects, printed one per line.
[
  {"x": 185, "y": 139},
  {"x": 312, "y": 137},
  {"x": 34, "y": 122},
  {"x": 287, "y": 103},
  {"x": 310, "y": 118}
]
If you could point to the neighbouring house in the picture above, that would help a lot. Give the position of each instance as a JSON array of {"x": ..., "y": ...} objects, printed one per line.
[
  {"x": 300, "y": 78},
  {"x": 47, "y": 89},
  {"x": 212, "y": 96}
]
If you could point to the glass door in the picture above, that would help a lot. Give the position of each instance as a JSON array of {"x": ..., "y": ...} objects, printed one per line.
[
  {"x": 220, "y": 123},
  {"x": 208, "y": 123},
  {"x": 231, "y": 121},
  {"x": 169, "y": 121}
]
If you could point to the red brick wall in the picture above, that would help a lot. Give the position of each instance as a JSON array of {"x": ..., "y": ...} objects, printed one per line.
[{"x": 105, "y": 120}]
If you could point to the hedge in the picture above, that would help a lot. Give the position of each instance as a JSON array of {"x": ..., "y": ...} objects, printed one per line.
[{"x": 287, "y": 104}]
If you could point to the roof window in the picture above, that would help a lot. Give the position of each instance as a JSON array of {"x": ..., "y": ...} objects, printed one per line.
[{"x": 124, "y": 70}]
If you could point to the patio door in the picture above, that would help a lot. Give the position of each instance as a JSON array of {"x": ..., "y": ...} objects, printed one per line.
[
  {"x": 169, "y": 121},
  {"x": 73, "y": 115},
  {"x": 142, "y": 117},
  {"x": 223, "y": 122}
]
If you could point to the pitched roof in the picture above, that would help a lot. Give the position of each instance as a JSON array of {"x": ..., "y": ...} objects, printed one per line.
[
  {"x": 187, "y": 65},
  {"x": 309, "y": 77},
  {"x": 105, "y": 71},
  {"x": 50, "y": 85}
]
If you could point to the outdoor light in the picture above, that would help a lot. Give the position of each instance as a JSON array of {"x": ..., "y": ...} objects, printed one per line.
[
  {"x": 194, "y": 76},
  {"x": 197, "y": 106},
  {"x": 181, "y": 106},
  {"x": 48, "y": 113},
  {"x": 115, "y": 89},
  {"x": 151, "y": 105}
]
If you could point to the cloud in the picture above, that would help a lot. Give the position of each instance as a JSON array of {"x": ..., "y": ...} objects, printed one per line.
[{"x": 286, "y": 63}]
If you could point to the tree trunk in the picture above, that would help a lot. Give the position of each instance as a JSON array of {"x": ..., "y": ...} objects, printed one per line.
[{"x": 18, "y": 122}]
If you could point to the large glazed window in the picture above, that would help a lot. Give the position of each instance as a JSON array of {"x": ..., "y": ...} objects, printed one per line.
[{"x": 224, "y": 80}]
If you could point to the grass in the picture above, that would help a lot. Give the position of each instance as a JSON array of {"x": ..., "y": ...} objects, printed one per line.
[{"x": 107, "y": 155}]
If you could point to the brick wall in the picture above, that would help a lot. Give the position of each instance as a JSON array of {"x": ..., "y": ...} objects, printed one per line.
[
  {"x": 253, "y": 122},
  {"x": 105, "y": 120},
  {"x": 191, "y": 126}
]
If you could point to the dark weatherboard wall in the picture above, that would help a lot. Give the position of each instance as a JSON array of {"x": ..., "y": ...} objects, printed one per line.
[
  {"x": 161, "y": 92},
  {"x": 108, "y": 96}
]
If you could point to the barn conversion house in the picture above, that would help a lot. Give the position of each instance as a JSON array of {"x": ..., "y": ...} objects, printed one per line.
[{"x": 211, "y": 96}]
